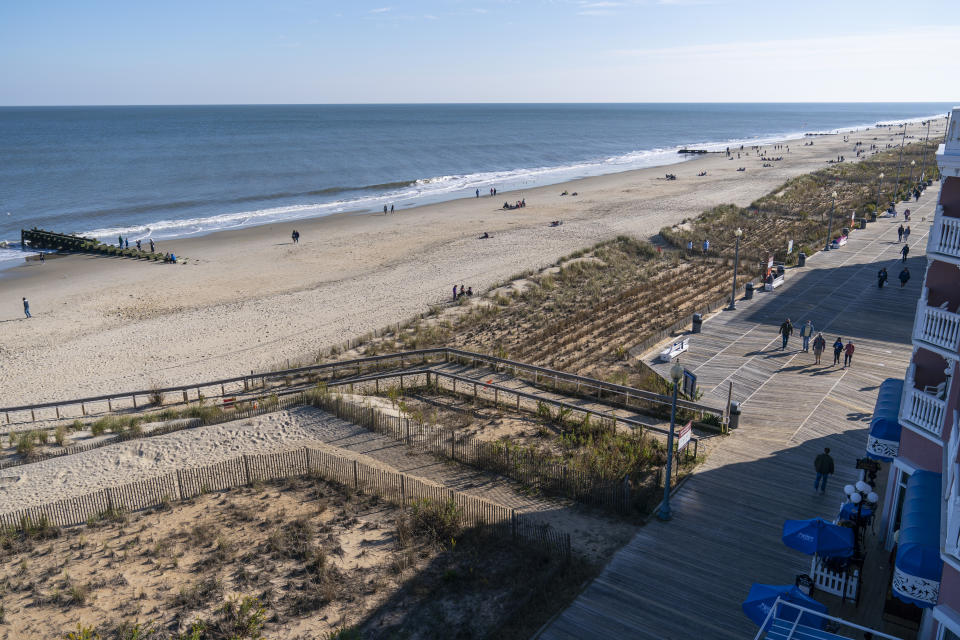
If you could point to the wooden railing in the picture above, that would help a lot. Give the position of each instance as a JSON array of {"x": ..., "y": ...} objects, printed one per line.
[{"x": 256, "y": 382}]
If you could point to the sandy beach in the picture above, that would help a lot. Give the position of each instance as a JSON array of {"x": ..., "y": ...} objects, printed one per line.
[{"x": 249, "y": 299}]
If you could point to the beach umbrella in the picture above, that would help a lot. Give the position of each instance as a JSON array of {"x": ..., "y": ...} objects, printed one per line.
[
  {"x": 817, "y": 536},
  {"x": 763, "y": 596}
]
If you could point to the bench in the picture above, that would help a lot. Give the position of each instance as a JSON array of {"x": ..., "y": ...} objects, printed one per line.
[
  {"x": 838, "y": 242},
  {"x": 770, "y": 286},
  {"x": 674, "y": 350}
]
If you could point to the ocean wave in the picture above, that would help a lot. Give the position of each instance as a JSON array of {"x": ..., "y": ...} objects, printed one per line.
[{"x": 406, "y": 193}]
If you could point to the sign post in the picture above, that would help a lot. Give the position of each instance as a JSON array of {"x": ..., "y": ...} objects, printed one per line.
[{"x": 684, "y": 436}]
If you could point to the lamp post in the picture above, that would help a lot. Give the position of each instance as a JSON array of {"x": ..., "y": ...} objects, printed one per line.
[
  {"x": 830, "y": 225},
  {"x": 896, "y": 189},
  {"x": 736, "y": 263},
  {"x": 879, "y": 182},
  {"x": 913, "y": 163},
  {"x": 676, "y": 372},
  {"x": 923, "y": 162}
]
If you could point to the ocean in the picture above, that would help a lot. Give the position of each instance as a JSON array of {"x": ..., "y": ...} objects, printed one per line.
[{"x": 176, "y": 171}]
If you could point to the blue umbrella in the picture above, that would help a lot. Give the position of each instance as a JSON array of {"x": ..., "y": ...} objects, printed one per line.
[
  {"x": 817, "y": 536},
  {"x": 763, "y": 596}
]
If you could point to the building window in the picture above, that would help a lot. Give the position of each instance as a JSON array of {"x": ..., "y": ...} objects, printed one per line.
[
  {"x": 902, "y": 477},
  {"x": 946, "y": 634}
]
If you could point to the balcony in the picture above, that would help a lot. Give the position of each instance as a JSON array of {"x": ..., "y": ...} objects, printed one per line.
[
  {"x": 925, "y": 393},
  {"x": 923, "y": 410},
  {"x": 937, "y": 327},
  {"x": 944, "y": 236}
]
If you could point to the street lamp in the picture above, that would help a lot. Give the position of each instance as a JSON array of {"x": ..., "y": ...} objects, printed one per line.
[
  {"x": 879, "y": 182},
  {"x": 896, "y": 189},
  {"x": 913, "y": 163},
  {"x": 676, "y": 372},
  {"x": 923, "y": 163},
  {"x": 830, "y": 226},
  {"x": 736, "y": 263}
]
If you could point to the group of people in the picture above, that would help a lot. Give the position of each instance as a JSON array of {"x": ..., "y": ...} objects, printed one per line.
[
  {"x": 903, "y": 233},
  {"x": 457, "y": 295},
  {"x": 671, "y": 176},
  {"x": 124, "y": 243},
  {"x": 391, "y": 205},
  {"x": 518, "y": 205},
  {"x": 882, "y": 277},
  {"x": 819, "y": 344}
]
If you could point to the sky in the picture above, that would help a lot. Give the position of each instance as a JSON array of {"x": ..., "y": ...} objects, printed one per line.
[{"x": 99, "y": 52}]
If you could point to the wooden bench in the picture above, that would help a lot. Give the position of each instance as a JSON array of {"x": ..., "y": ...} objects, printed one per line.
[
  {"x": 770, "y": 286},
  {"x": 674, "y": 350}
]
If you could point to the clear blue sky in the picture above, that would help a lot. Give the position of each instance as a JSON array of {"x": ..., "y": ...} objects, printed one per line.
[{"x": 299, "y": 51}]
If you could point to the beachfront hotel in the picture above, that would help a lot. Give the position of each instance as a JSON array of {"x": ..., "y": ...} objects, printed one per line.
[{"x": 915, "y": 427}]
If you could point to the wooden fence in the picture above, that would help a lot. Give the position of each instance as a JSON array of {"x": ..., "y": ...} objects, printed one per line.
[{"x": 184, "y": 484}]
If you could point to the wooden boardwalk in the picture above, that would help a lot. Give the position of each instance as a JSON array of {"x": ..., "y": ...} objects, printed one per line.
[{"x": 686, "y": 578}]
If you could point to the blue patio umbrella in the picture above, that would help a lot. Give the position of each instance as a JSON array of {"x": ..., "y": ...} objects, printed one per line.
[
  {"x": 817, "y": 536},
  {"x": 763, "y": 596}
]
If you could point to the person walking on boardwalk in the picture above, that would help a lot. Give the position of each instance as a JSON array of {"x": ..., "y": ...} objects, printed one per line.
[
  {"x": 906, "y": 234},
  {"x": 26, "y": 308},
  {"x": 785, "y": 330},
  {"x": 837, "y": 350},
  {"x": 806, "y": 332},
  {"x": 900, "y": 234},
  {"x": 823, "y": 465},
  {"x": 882, "y": 277},
  {"x": 904, "y": 277},
  {"x": 848, "y": 354},
  {"x": 905, "y": 252},
  {"x": 819, "y": 344}
]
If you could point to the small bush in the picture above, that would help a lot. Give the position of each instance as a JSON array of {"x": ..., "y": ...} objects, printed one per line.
[
  {"x": 60, "y": 435},
  {"x": 439, "y": 520}
]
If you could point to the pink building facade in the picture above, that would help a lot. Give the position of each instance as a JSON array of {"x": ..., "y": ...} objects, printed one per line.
[{"x": 921, "y": 511}]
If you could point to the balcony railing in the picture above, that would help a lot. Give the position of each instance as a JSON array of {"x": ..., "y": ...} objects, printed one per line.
[
  {"x": 945, "y": 235},
  {"x": 923, "y": 410},
  {"x": 938, "y": 327}
]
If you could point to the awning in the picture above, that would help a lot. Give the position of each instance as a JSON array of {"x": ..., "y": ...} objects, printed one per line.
[
  {"x": 883, "y": 443},
  {"x": 916, "y": 577}
]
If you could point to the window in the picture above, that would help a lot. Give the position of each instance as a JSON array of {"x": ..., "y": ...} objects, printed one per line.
[{"x": 946, "y": 634}]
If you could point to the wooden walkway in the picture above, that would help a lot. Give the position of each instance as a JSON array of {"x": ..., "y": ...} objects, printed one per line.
[{"x": 687, "y": 577}]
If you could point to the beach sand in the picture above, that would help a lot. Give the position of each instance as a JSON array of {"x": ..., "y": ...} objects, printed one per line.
[{"x": 250, "y": 299}]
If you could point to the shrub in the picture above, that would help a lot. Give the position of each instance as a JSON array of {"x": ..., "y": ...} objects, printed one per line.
[
  {"x": 438, "y": 520},
  {"x": 60, "y": 435}
]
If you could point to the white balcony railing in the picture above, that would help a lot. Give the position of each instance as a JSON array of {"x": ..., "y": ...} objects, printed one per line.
[
  {"x": 923, "y": 410},
  {"x": 938, "y": 327},
  {"x": 945, "y": 235}
]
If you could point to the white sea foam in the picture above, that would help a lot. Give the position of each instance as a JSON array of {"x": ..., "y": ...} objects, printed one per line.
[{"x": 439, "y": 188}]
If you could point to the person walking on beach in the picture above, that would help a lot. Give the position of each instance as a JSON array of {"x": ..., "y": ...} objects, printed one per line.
[
  {"x": 26, "y": 308},
  {"x": 454, "y": 293},
  {"x": 391, "y": 207},
  {"x": 478, "y": 193},
  {"x": 151, "y": 245},
  {"x": 127, "y": 243},
  {"x": 904, "y": 277},
  {"x": 384, "y": 209},
  {"x": 848, "y": 354},
  {"x": 819, "y": 344},
  {"x": 120, "y": 241},
  {"x": 837, "y": 350},
  {"x": 139, "y": 248},
  {"x": 785, "y": 330},
  {"x": 823, "y": 465},
  {"x": 905, "y": 252},
  {"x": 900, "y": 234},
  {"x": 881, "y": 277},
  {"x": 806, "y": 332}
]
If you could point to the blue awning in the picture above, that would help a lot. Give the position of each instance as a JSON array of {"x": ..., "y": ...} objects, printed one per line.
[
  {"x": 883, "y": 443},
  {"x": 916, "y": 578}
]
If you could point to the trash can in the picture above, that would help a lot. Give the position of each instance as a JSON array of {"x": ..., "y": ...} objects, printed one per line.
[
  {"x": 861, "y": 223},
  {"x": 748, "y": 292},
  {"x": 734, "y": 415},
  {"x": 780, "y": 270},
  {"x": 697, "y": 322},
  {"x": 801, "y": 259},
  {"x": 873, "y": 216}
]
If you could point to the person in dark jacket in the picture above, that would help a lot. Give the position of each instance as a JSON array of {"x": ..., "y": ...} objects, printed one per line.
[
  {"x": 785, "y": 330},
  {"x": 823, "y": 464},
  {"x": 837, "y": 350},
  {"x": 882, "y": 277},
  {"x": 904, "y": 277}
]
